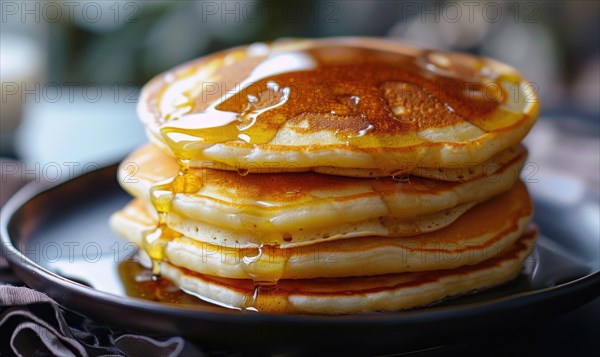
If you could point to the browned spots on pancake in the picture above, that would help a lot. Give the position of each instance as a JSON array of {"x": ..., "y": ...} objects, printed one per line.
[
  {"x": 345, "y": 286},
  {"x": 357, "y": 87},
  {"x": 365, "y": 96},
  {"x": 286, "y": 188}
]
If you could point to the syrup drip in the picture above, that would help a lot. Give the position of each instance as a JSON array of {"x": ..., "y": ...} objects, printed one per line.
[
  {"x": 161, "y": 197},
  {"x": 271, "y": 266},
  {"x": 214, "y": 126},
  {"x": 260, "y": 292},
  {"x": 402, "y": 177},
  {"x": 265, "y": 275}
]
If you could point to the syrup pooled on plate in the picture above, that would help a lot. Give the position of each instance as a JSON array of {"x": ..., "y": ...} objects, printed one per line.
[{"x": 139, "y": 282}]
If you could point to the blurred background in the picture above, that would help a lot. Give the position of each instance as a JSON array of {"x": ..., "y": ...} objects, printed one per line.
[{"x": 71, "y": 70}]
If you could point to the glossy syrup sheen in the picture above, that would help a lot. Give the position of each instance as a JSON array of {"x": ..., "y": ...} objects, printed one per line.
[
  {"x": 365, "y": 97},
  {"x": 161, "y": 197},
  {"x": 155, "y": 239},
  {"x": 139, "y": 282}
]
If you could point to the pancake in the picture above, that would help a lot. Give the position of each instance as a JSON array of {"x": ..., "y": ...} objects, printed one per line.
[
  {"x": 384, "y": 227},
  {"x": 355, "y": 294},
  {"x": 352, "y": 104},
  {"x": 449, "y": 173},
  {"x": 305, "y": 208},
  {"x": 480, "y": 234}
]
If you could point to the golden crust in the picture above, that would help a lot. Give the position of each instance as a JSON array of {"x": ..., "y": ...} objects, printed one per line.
[{"x": 469, "y": 133}]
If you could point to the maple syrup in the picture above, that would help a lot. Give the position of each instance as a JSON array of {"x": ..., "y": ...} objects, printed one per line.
[{"x": 368, "y": 98}]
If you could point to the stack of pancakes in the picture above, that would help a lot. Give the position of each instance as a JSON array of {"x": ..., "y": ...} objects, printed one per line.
[{"x": 331, "y": 176}]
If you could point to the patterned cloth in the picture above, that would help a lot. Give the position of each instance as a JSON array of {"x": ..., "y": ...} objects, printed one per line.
[{"x": 32, "y": 324}]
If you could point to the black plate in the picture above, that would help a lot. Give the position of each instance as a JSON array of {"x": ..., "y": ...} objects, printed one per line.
[{"x": 57, "y": 240}]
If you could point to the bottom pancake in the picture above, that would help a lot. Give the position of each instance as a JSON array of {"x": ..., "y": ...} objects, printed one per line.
[{"x": 355, "y": 294}]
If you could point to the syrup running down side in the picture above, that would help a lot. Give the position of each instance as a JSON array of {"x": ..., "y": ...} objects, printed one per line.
[{"x": 156, "y": 239}]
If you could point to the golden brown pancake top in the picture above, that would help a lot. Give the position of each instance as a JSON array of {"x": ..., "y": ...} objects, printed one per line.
[
  {"x": 363, "y": 95},
  {"x": 352, "y": 88},
  {"x": 282, "y": 188}
]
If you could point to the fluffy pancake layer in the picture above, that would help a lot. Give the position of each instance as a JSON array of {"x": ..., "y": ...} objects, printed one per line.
[
  {"x": 356, "y": 294},
  {"x": 450, "y": 172},
  {"x": 390, "y": 108},
  {"x": 291, "y": 209},
  {"x": 480, "y": 234}
]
